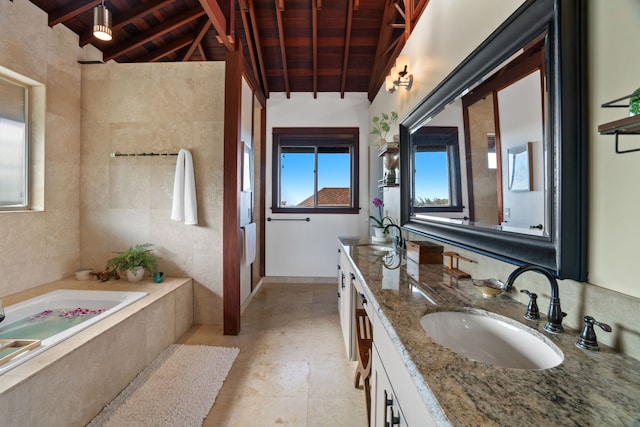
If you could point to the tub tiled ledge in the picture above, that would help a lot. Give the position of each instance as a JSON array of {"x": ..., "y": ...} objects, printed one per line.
[
  {"x": 587, "y": 388},
  {"x": 69, "y": 383}
]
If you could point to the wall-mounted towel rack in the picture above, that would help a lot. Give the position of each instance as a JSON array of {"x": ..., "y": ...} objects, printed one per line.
[
  {"x": 142, "y": 154},
  {"x": 307, "y": 219}
]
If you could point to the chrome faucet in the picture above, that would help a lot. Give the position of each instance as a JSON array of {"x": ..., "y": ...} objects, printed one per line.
[
  {"x": 399, "y": 239},
  {"x": 555, "y": 314}
]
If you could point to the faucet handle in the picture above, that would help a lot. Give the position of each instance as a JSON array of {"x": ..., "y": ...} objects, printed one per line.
[
  {"x": 588, "y": 340},
  {"x": 532, "y": 309}
]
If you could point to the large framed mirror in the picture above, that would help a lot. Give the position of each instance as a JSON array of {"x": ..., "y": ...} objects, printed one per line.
[{"x": 494, "y": 159}]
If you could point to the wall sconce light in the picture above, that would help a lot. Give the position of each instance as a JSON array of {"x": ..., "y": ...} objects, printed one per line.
[
  {"x": 399, "y": 76},
  {"x": 102, "y": 23}
]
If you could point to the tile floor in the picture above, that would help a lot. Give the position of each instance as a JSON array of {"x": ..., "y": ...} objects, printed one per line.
[{"x": 292, "y": 368}]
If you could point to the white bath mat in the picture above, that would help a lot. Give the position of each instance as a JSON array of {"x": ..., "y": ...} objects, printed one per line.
[{"x": 177, "y": 389}]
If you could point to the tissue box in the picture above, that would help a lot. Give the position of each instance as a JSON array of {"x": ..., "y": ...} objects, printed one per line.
[{"x": 423, "y": 252}]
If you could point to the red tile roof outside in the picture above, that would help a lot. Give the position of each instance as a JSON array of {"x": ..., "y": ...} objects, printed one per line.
[{"x": 330, "y": 196}]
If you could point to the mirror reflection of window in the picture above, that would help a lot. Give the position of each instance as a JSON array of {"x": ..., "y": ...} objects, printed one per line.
[
  {"x": 492, "y": 162},
  {"x": 437, "y": 182}
]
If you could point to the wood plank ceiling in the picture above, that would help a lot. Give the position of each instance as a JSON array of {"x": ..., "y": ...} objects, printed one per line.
[{"x": 290, "y": 45}]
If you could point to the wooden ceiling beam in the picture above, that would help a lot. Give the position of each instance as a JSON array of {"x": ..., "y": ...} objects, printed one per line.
[
  {"x": 135, "y": 14},
  {"x": 244, "y": 10},
  {"x": 71, "y": 10},
  {"x": 314, "y": 42},
  {"x": 347, "y": 45},
  {"x": 384, "y": 41},
  {"x": 196, "y": 42},
  {"x": 167, "y": 49},
  {"x": 167, "y": 26},
  {"x": 202, "y": 53},
  {"x": 223, "y": 27},
  {"x": 283, "y": 54},
  {"x": 256, "y": 39}
]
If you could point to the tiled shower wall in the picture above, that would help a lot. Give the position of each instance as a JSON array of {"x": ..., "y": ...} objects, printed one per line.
[{"x": 161, "y": 108}]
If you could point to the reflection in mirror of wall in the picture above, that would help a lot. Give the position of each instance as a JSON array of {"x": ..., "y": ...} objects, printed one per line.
[{"x": 514, "y": 148}]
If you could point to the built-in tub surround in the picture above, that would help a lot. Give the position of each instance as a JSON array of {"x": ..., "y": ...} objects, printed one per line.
[
  {"x": 46, "y": 307},
  {"x": 587, "y": 388},
  {"x": 71, "y": 382}
]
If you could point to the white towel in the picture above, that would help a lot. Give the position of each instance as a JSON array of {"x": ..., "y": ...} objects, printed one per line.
[
  {"x": 185, "y": 205},
  {"x": 249, "y": 243}
]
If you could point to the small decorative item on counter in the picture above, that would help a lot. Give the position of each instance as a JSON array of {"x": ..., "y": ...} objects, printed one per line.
[
  {"x": 379, "y": 222},
  {"x": 634, "y": 103},
  {"x": 105, "y": 275},
  {"x": 158, "y": 276},
  {"x": 83, "y": 274}
]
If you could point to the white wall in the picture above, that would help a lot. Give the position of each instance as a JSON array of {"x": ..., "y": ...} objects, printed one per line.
[
  {"x": 614, "y": 200},
  {"x": 299, "y": 248}
]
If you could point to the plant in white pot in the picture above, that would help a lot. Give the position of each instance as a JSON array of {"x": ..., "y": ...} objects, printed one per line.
[
  {"x": 380, "y": 222},
  {"x": 135, "y": 261}
]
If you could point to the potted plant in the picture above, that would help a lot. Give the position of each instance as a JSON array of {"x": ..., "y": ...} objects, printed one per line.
[
  {"x": 382, "y": 124},
  {"x": 135, "y": 261},
  {"x": 379, "y": 222}
]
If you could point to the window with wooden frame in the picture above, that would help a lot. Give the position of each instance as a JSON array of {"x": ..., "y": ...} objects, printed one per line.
[{"x": 315, "y": 170}]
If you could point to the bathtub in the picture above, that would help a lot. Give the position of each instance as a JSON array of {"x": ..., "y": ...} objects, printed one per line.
[{"x": 109, "y": 301}]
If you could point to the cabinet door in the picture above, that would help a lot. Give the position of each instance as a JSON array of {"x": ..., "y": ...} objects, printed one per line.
[
  {"x": 385, "y": 408},
  {"x": 345, "y": 307}
]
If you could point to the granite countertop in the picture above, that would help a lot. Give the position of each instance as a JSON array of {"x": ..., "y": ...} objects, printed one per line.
[{"x": 587, "y": 388}]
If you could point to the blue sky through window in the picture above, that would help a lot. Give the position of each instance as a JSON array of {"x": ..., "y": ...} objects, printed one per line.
[{"x": 297, "y": 174}]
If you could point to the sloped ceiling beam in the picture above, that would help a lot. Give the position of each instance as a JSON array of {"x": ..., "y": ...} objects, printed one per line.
[
  {"x": 153, "y": 33},
  {"x": 196, "y": 42},
  {"x": 258, "y": 45},
  {"x": 283, "y": 54},
  {"x": 119, "y": 21},
  {"x": 68, "y": 11},
  {"x": 347, "y": 44},
  {"x": 224, "y": 27},
  {"x": 167, "y": 49},
  {"x": 316, "y": 4},
  {"x": 244, "y": 10}
]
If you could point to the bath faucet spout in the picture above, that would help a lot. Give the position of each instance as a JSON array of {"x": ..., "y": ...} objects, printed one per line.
[
  {"x": 399, "y": 239},
  {"x": 555, "y": 314}
]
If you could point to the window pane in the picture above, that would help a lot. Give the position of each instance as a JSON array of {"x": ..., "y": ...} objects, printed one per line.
[
  {"x": 334, "y": 176},
  {"x": 297, "y": 177},
  {"x": 13, "y": 146},
  {"x": 431, "y": 177}
]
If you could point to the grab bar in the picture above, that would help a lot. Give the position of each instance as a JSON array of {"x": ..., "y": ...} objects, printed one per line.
[{"x": 307, "y": 219}]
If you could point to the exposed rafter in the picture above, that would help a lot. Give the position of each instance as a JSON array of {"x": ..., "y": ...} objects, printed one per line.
[
  {"x": 223, "y": 26},
  {"x": 283, "y": 53},
  {"x": 244, "y": 10},
  {"x": 255, "y": 36},
  {"x": 170, "y": 25},
  {"x": 314, "y": 42},
  {"x": 166, "y": 50},
  {"x": 196, "y": 42},
  {"x": 347, "y": 45},
  {"x": 74, "y": 8},
  {"x": 388, "y": 46},
  {"x": 135, "y": 14}
]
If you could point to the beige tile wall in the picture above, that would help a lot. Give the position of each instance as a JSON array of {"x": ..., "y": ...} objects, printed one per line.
[
  {"x": 156, "y": 107},
  {"x": 41, "y": 246}
]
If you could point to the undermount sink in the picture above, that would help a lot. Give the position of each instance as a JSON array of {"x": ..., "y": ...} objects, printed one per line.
[
  {"x": 377, "y": 247},
  {"x": 492, "y": 339}
]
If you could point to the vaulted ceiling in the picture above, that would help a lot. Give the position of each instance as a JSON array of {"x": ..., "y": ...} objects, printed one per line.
[{"x": 289, "y": 45}]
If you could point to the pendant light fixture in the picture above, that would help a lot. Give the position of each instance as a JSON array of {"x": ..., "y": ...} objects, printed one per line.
[{"x": 102, "y": 23}]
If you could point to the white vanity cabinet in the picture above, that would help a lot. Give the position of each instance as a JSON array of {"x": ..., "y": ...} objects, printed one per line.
[
  {"x": 395, "y": 400},
  {"x": 345, "y": 303}
]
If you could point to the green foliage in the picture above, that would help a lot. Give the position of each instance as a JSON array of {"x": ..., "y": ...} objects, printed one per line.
[
  {"x": 382, "y": 124},
  {"x": 136, "y": 256},
  {"x": 425, "y": 201}
]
